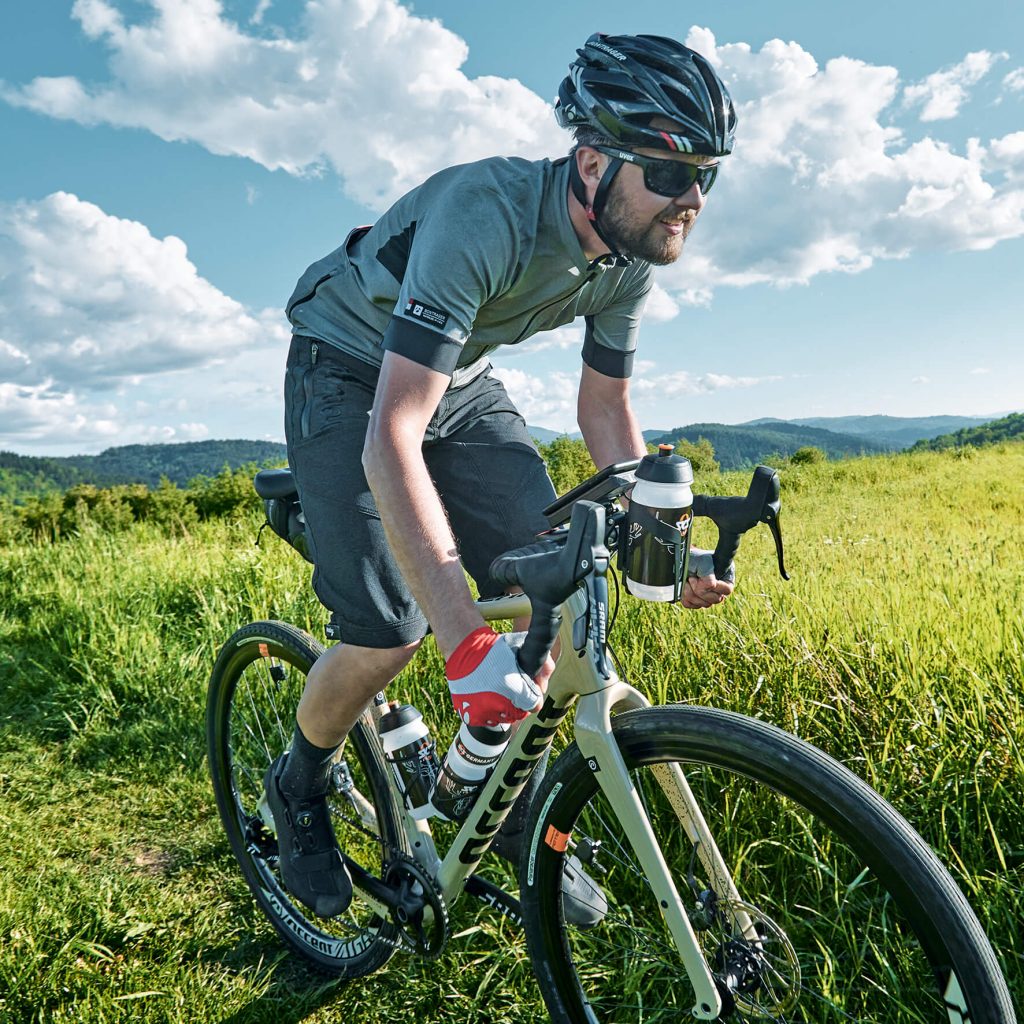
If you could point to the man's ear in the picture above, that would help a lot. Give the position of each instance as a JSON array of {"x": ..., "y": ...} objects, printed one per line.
[{"x": 590, "y": 164}]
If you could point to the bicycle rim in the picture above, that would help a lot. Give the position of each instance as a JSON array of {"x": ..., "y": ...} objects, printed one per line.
[
  {"x": 854, "y": 919},
  {"x": 254, "y": 690}
]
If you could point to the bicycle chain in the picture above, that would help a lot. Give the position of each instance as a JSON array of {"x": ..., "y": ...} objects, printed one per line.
[{"x": 435, "y": 898}]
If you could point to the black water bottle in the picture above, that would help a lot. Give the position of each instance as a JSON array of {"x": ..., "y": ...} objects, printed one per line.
[
  {"x": 412, "y": 754},
  {"x": 660, "y": 514}
]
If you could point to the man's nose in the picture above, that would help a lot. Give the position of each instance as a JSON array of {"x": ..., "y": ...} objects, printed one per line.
[{"x": 691, "y": 199}]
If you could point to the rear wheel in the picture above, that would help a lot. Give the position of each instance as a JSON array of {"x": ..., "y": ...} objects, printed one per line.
[
  {"x": 848, "y": 915},
  {"x": 250, "y": 716}
]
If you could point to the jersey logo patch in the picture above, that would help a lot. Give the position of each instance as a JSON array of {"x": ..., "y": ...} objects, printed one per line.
[{"x": 429, "y": 315}]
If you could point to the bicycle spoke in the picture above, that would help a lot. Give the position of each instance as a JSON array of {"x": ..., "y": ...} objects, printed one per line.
[
  {"x": 628, "y": 862},
  {"x": 265, "y": 675}
]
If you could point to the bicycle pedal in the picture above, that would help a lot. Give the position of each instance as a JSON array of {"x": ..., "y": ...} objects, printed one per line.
[{"x": 265, "y": 815}]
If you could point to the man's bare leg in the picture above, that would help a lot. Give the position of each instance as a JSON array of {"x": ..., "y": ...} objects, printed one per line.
[{"x": 340, "y": 685}]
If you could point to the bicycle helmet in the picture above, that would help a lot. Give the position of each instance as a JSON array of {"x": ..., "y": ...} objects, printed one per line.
[{"x": 619, "y": 84}]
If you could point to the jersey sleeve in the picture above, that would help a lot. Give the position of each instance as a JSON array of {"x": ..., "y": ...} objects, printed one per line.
[
  {"x": 463, "y": 252},
  {"x": 611, "y": 334}
]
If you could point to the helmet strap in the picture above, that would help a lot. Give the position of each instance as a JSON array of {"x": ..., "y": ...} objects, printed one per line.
[{"x": 594, "y": 211}]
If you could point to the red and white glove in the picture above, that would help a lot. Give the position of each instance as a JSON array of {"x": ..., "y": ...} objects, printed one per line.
[{"x": 487, "y": 685}]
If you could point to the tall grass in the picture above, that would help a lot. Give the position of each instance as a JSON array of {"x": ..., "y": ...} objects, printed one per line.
[{"x": 897, "y": 647}]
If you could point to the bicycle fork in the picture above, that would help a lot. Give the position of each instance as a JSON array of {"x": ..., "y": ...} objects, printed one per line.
[{"x": 596, "y": 742}]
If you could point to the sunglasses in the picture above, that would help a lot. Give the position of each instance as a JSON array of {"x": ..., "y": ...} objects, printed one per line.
[{"x": 667, "y": 177}]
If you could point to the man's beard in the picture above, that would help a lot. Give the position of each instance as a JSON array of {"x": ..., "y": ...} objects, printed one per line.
[{"x": 628, "y": 235}]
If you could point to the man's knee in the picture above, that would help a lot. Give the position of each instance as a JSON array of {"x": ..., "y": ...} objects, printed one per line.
[
  {"x": 375, "y": 665},
  {"x": 396, "y": 657}
]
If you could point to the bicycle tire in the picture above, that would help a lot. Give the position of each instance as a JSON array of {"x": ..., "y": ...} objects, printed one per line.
[
  {"x": 878, "y": 930},
  {"x": 254, "y": 688}
]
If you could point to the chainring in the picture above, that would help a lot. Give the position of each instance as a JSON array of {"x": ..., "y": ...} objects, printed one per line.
[{"x": 422, "y": 920}]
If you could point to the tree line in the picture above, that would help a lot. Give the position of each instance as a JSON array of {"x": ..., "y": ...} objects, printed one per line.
[
  {"x": 1009, "y": 428},
  {"x": 50, "y": 517}
]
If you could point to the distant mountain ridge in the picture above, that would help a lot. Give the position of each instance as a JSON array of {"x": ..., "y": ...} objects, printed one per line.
[
  {"x": 892, "y": 432},
  {"x": 889, "y": 433},
  {"x": 737, "y": 447},
  {"x": 133, "y": 463}
]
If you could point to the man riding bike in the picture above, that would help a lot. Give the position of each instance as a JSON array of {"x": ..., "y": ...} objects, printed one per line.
[{"x": 399, "y": 437}]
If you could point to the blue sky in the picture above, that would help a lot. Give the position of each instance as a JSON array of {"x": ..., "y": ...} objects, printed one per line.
[{"x": 171, "y": 166}]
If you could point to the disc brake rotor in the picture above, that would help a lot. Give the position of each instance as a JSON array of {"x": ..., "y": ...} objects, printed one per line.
[{"x": 756, "y": 969}]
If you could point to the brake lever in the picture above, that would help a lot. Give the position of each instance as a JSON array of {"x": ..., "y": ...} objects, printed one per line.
[{"x": 772, "y": 519}]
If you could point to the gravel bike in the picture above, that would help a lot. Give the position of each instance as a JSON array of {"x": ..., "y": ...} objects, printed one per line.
[{"x": 748, "y": 876}]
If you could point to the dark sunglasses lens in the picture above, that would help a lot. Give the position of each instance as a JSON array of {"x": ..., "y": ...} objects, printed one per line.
[
  {"x": 669, "y": 177},
  {"x": 707, "y": 178},
  {"x": 674, "y": 178}
]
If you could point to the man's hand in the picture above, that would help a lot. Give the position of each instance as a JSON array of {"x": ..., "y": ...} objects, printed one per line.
[
  {"x": 487, "y": 686},
  {"x": 704, "y": 589}
]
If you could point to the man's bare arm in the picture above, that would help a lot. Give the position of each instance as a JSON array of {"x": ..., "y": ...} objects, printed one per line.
[
  {"x": 612, "y": 434},
  {"x": 610, "y": 430},
  {"x": 410, "y": 509}
]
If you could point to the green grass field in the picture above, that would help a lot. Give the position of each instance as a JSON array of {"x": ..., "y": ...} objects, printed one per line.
[{"x": 897, "y": 647}]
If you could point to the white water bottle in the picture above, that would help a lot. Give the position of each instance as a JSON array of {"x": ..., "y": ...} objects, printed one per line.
[
  {"x": 465, "y": 769},
  {"x": 410, "y": 751},
  {"x": 660, "y": 514}
]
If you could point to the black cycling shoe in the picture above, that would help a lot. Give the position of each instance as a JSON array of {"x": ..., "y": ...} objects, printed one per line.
[
  {"x": 311, "y": 864},
  {"x": 584, "y": 904}
]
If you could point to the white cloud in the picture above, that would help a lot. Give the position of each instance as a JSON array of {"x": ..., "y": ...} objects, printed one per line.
[
  {"x": 261, "y": 9},
  {"x": 824, "y": 179},
  {"x": 548, "y": 401},
  {"x": 681, "y": 383},
  {"x": 942, "y": 93},
  {"x": 660, "y": 305},
  {"x": 920, "y": 380},
  {"x": 558, "y": 338},
  {"x": 41, "y": 413},
  {"x": 979, "y": 371},
  {"x": 1005, "y": 154},
  {"x": 363, "y": 86},
  {"x": 95, "y": 309},
  {"x": 1014, "y": 81}
]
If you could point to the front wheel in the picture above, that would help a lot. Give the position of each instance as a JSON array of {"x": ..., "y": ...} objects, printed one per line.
[
  {"x": 844, "y": 913},
  {"x": 250, "y": 715}
]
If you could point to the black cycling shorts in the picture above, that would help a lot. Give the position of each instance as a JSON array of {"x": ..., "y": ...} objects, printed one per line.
[{"x": 486, "y": 468}]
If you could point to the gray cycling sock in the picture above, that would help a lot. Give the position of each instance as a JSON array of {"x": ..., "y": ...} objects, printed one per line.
[{"x": 307, "y": 769}]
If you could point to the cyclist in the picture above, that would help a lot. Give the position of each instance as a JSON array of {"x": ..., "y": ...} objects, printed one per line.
[{"x": 399, "y": 436}]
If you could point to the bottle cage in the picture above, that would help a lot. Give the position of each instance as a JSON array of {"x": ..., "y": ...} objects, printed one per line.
[{"x": 664, "y": 533}]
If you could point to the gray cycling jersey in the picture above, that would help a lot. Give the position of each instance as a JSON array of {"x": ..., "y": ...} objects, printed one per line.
[{"x": 480, "y": 255}]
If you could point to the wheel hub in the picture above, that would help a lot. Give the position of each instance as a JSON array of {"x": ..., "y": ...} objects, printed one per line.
[{"x": 755, "y": 967}]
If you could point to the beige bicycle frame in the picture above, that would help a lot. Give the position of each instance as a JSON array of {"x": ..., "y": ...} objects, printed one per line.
[{"x": 577, "y": 679}]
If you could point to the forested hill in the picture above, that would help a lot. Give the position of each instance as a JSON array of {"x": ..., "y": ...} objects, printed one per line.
[
  {"x": 22, "y": 475},
  {"x": 740, "y": 446},
  {"x": 895, "y": 432},
  {"x": 1009, "y": 428}
]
